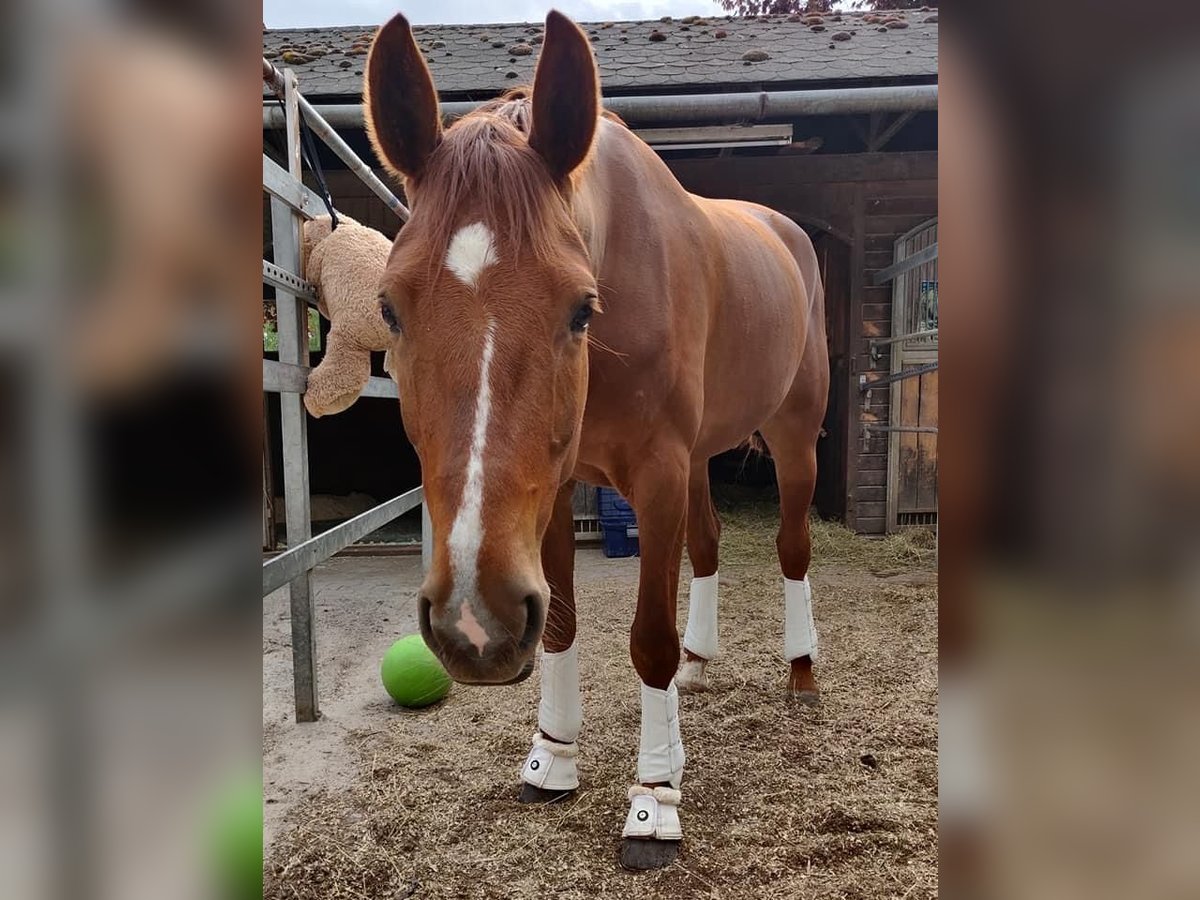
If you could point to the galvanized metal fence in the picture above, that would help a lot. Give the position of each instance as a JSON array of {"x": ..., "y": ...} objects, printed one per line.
[{"x": 291, "y": 204}]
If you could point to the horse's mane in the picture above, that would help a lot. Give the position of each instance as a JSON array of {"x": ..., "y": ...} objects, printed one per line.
[{"x": 485, "y": 164}]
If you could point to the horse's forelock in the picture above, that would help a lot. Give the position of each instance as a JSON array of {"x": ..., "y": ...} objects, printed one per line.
[{"x": 485, "y": 166}]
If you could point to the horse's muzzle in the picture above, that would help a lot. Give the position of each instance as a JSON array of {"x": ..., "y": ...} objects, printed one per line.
[{"x": 502, "y": 659}]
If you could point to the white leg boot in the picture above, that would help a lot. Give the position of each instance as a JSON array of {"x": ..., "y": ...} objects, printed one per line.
[
  {"x": 654, "y": 812},
  {"x": 700, "y": 637},
  {"x": 550, "y": 765},
  {"x": 799, "y": 632}
]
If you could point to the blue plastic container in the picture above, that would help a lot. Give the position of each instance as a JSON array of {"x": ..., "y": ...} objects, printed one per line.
[
  {"x": 616, "y": 520},
  {"x": 612, "y": 505},
  {"x": 617, "y": 541}
]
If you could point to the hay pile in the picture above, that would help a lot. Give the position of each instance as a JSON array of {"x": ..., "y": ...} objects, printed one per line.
[{"x": 779, "y": 800}]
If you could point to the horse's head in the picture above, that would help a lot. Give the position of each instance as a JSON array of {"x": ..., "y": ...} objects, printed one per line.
[{"x": 488, "y": 293}]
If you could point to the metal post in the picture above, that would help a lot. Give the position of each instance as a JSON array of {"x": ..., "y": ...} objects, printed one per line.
[
  {"x": 334, "y": 142},
  {"x": 292, "y": 315},
  {"x": 426, "y": 538},
  {"x": 690, "y": 109}
]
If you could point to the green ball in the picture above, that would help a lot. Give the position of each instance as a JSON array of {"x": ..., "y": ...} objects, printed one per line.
[
  {"x": 237, "y": 841},
  {"x": 412, "y": 674}
]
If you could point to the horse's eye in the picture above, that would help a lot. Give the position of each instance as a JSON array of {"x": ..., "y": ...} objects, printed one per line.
[
  {"x": 583, "y": 315},
  {"x": 389, "y": 315}
]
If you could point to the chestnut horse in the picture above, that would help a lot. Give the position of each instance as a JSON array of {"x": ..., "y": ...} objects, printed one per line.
[{"x": 543, "y": 233}]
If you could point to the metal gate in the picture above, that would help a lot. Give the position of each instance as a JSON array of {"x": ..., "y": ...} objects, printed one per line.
[
  {"x": 912, "y": 482},
  {"x": 291, "y": 204}
]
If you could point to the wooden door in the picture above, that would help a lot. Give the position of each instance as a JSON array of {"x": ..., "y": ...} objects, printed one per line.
[{"x": 912, "y": 497}]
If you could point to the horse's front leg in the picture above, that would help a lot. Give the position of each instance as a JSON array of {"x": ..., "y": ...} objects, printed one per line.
[
  {"x": 652, "y": 828},
  {"x": 549, "y": 773}
]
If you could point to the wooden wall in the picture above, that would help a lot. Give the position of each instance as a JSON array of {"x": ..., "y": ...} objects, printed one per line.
[{"x": 865, "y": 201}]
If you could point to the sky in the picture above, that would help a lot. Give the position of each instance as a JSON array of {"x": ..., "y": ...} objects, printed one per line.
[{"x": 313, "y": 13}]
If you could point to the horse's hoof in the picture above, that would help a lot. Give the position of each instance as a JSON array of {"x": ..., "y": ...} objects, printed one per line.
[
  {"x": 640, "y": 854},
  {"x": 691, "y": 678},
  {"x": 531, "y": 794},
  {"x": 804, "y": 697}
]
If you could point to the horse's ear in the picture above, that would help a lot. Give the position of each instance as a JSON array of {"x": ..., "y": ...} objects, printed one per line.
[
  {"x": 399, "y": 101},
  {"x": 566, "y": 97}
]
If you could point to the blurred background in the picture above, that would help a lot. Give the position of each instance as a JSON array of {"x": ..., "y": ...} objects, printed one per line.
[
  {"x": 130, "y": 446},
  {"x": 1070, "y": 605}
]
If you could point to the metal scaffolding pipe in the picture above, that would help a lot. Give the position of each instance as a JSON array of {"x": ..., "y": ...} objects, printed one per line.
[
  {"x": 748, "y": 107},
  {"x": 324, "y": 129}
]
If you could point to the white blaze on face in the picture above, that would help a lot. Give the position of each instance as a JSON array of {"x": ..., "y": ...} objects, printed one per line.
[
  {"x": 471, "y": 250},
  {"x": 466, "y": 535}
]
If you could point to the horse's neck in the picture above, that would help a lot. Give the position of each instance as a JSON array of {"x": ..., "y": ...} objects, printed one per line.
[{"x": 625, "y": 186}]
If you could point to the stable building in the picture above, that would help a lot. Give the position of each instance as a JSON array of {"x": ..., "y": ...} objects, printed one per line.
[{"x": 831, "y": 120}]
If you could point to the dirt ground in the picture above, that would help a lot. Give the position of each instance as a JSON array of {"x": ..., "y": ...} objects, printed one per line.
[{"x": 780, "y": 800}]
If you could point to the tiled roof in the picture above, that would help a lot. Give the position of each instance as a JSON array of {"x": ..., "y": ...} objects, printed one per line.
[{"x": 637, "y": 56}]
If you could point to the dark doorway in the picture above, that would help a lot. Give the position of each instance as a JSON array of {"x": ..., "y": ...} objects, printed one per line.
[
  {"x": 746, "y": 468},
  {"x": 833, "y": 255}
]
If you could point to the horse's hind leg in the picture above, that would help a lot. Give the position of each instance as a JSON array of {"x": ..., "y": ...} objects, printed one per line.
[
  {"x": 792, "y": 438},
  {"x": 703, "y": 537}
]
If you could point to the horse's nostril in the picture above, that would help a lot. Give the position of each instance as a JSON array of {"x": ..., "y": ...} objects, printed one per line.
[{"x": 533, "y": 620}]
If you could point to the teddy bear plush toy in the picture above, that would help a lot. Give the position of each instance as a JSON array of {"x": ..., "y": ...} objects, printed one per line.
[{"x": 345, "y": 264}]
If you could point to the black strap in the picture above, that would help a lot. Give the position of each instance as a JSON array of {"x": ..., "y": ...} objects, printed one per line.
[{"x": 308, "y": 150}]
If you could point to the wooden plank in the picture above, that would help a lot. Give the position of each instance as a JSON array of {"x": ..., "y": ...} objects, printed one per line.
[
  {"x": 895, "y": 224},
  {"x": 880, "y": 407},
  {"x": 876, "y": 328},
  {"x": 870, "y": 462},
  {"x": 880, "y": 413},
  {"x": 927, "y": 455},
  {"x": 925, "y": 189},
  {"x": 872, "y": 477},
  {"x": 882, "y": 134},
  {"x": 871, "y": 493},
  {"x": 850, "y": 167},
  {"x": 909, "y": 472},
  {"x": 926, "y": 206},
  {"x": 882, "y": 243},
  {"x": 871, "y": 524},
  {"x": 868, "y": 510},
  {"x": 717, "y": 134},
  {"x": 873, "y": 442}
]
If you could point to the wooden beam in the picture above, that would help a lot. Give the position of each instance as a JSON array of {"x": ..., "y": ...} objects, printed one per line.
[
  {"x": 717, "y": 135},
  {"x": 881, "y": 140},
  {"x": 820, "y": 168}
]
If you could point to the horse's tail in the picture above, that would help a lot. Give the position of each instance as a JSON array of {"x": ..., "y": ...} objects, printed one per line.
[{"x": 756, "y": 444}]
